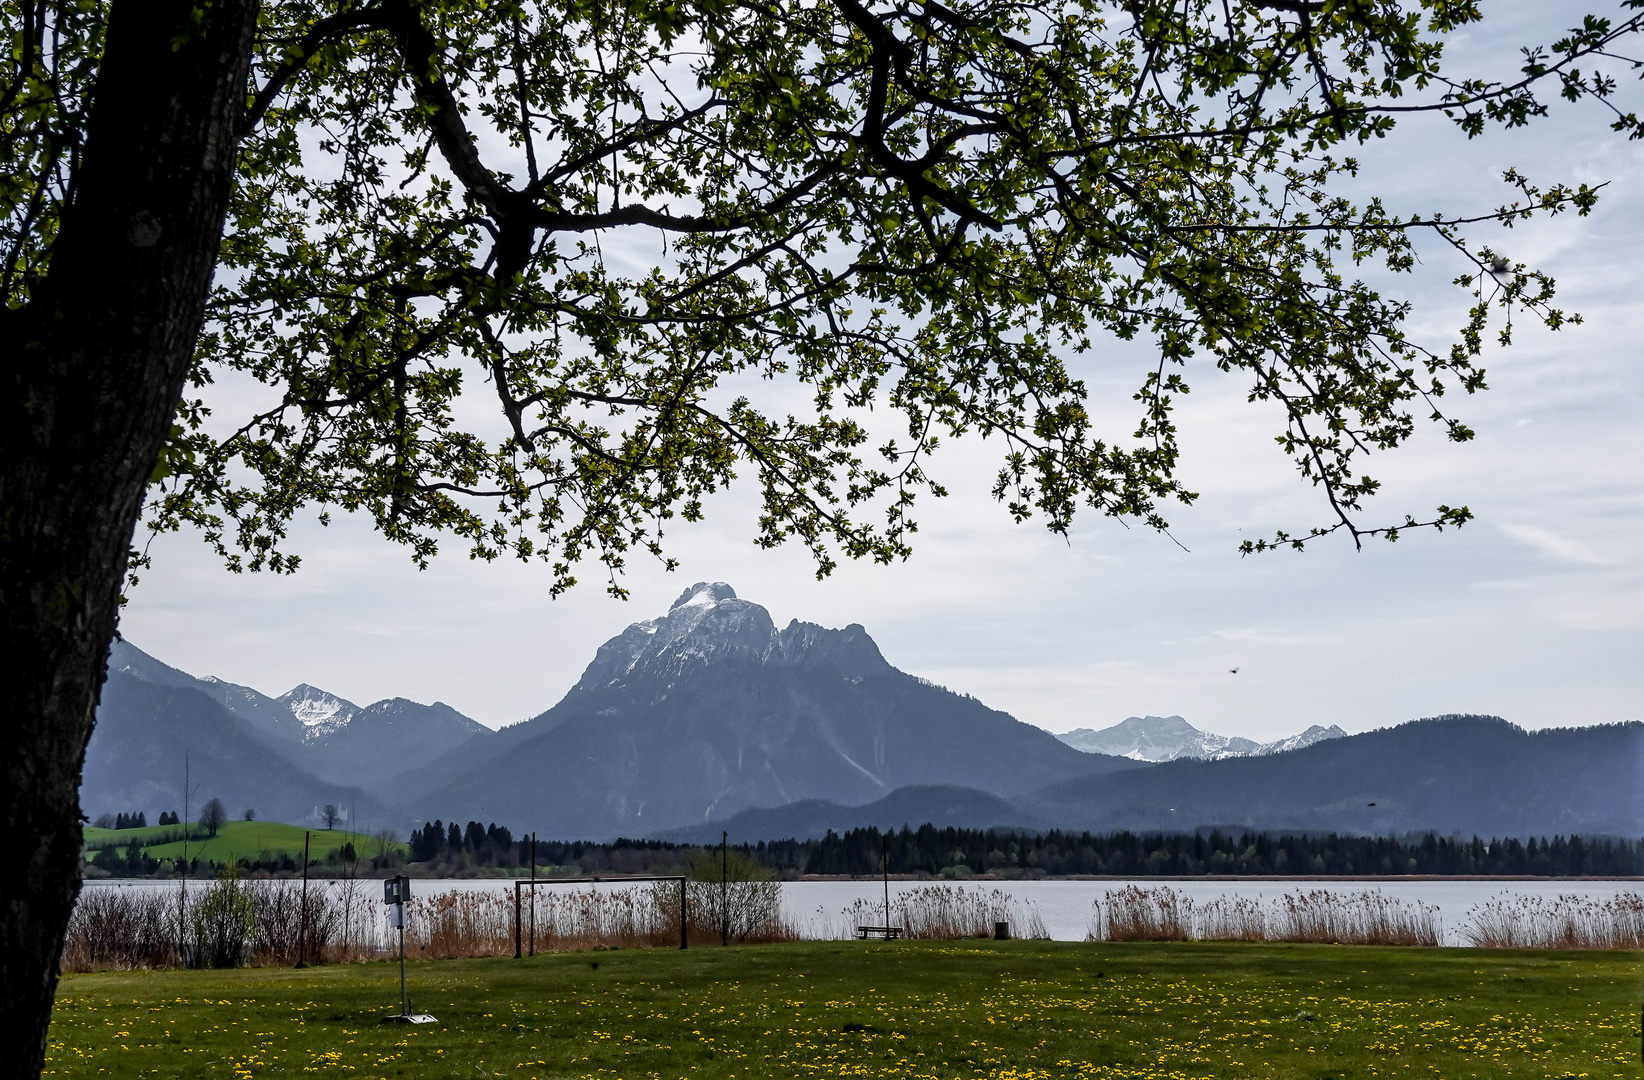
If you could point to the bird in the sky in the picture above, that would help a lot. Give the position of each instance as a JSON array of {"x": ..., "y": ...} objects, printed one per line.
[{"x": 1233, "y": 671}]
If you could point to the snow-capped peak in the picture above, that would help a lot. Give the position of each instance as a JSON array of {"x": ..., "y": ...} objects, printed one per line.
[
  {"x": 709, "y": 624},
  {"x": 1166, "y": 738},
  {"x": 320, "y": 713},
  {"x": 703, "y": 594}
]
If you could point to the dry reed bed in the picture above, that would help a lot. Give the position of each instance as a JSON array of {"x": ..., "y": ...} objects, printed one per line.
[
  {"x": 1318, "y": 916},
  {"x": 1370, "y": 918},
  {"x": 230, "y": 922},
  {"x": 1565, "y": 922},
  {"x": 555, "y": 918},
  {"x": 946, "y": 912}
]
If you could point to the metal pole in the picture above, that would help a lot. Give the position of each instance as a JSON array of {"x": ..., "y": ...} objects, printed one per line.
[
  {"x": 405, "y": 1009},
  {"x": 724, "y": 878},
  {"x": 682, "y": 943},
  {"x": 516, "y": 920},
  {"x": 182, "y": 903},
  {"x": 533, "y": 893},
  {"x": 302, "y": 916},
  {"x": 884, "y": 868}
]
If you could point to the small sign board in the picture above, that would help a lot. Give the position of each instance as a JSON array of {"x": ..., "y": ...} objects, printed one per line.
[{"x": 396, "y": 890}]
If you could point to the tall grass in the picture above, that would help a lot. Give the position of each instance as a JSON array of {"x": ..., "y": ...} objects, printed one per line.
[
  {"x": 1133, "y": 914},
  {"x": 235, "y": 922},
  {"x": 481, "y": 924},
  {"x": 1564, "y": 922},
  {"x": 232, "y": 922},
  {"x": 1357, "y": 918},
  {"x": 945, "y": 912},
  {"x": 1232, "y": 918},
  {"x": 1360, "y": 918}
]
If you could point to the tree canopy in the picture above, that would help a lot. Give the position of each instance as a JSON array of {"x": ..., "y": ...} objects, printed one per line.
[{"x": 631, "y": 229}]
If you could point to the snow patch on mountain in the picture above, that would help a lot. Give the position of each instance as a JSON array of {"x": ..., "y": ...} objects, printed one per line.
[
  {"x": 1314, "y": 734},
  {"x": 321, "y": 714},
  {"x": 708, "y": 626},
  {"x": 1167, "y": 738}
]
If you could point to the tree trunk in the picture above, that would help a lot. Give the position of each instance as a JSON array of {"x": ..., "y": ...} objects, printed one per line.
[{"x": 90, "y": 374}]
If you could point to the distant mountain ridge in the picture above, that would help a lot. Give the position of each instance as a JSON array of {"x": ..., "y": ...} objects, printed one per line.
[
  {"x": 328, "y": 737},
  {"x": 914, "y": 805},
  {"x": 1168, "y": 738},
  {"x": 1456, "y": 773},
  {"x": 1472, "y": 775},
  {"x": 145, "y": 730}
]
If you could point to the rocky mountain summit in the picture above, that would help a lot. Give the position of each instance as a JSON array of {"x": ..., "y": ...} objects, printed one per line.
[
  {"x": 711, "y": 709},
  {"x": 1167, "y": 738},
  {"x": 320, "y": 714}
]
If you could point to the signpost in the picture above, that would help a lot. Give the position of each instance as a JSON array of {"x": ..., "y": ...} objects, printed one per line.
[{"x": 396, "y": 891}]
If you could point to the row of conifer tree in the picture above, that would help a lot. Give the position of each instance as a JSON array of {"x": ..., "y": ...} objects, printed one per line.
[
  {"x": 137, "y": 820},
  {"x": 493, "y": 843},
  {"x": 929, "y": 851}
]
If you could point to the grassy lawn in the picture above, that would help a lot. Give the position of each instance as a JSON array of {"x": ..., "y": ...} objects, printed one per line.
[
  {"x": 234, "y": 840},
  {"x": 907, "y": 1009}
]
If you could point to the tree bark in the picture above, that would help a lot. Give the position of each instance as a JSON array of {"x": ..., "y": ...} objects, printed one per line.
[{"x": 93, "y": 367}]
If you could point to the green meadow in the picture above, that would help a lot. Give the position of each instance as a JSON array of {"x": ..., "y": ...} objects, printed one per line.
[
  {"x": 972, "y": 1009},
  {"x": 234, "y": 840}
]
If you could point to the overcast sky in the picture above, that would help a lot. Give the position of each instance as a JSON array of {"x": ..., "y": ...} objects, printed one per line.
[{"x": 1535, "y": 612}]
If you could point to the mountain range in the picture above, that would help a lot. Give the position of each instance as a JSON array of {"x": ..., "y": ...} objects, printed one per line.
[
  {"x": 1167, "y": 738},
  {"x": 711, "y": 710},
  {"x": 712, "y": 718}
]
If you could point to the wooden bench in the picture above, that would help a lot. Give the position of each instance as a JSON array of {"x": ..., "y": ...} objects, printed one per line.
[{"x": 889, "y": 933}]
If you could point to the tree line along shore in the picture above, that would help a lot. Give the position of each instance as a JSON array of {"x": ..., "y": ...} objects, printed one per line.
[{"x": 475, "y": 849}]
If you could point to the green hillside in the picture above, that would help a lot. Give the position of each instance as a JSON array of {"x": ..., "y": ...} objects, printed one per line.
[
  {"x": 100, "y": 838},
  {"x": 234, "y": 840}
]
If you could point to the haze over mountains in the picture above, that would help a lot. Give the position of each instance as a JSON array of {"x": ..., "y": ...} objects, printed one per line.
[{"x": 711, "y": 717}]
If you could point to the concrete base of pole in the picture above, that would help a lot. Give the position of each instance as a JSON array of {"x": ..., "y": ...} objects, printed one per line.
[{"x": 413, "y": 1018}]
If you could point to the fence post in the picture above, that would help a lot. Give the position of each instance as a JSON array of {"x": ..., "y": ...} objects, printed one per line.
[
  {"x": 682, "y": 939},
  {"x": 884, "y": 868},
  {"x": 516, "y": 920},
  {"x": 302, "y": 916}
]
